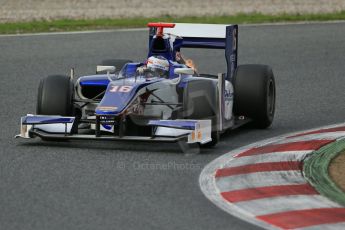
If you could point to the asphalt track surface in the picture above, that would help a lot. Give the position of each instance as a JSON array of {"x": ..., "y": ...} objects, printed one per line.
[{"x": 104, "y": 185}]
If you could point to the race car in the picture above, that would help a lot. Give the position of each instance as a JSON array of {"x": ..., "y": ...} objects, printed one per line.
[{"x": 161, "y": 99}]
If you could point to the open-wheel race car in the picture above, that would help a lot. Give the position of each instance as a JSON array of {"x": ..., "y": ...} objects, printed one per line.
[{"x": 162, "y": 99}]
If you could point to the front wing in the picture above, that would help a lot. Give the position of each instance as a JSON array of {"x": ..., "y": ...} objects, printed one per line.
[{"x": 61, "y": 128}]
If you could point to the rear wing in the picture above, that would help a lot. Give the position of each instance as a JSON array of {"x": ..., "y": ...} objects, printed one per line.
[{"x": 208, "y": 36}]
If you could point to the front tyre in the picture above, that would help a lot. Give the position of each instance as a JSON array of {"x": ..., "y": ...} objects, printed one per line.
[
  {"x": 55, "y": 96},
  {"x": 255, "y": 94}
]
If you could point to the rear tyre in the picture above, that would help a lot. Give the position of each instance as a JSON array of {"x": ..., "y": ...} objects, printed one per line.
[
  {"x": 118, "y": 63},
  {"x": 255, "y": 94},
  {"x": 55, "y": 96}
]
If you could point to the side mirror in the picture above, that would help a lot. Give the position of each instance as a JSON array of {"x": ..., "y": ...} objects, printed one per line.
[
  {"x": 180, "y": 71},
  {"x": 105, "y": 69},
  {"x": 186, "y": 71}
]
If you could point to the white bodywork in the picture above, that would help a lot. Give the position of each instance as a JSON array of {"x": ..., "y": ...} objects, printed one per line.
[
  {"x": 63, "y": 128},
  {"x": 201, "y": 133},
  {"x": 228, "y": 100},
  {"x": 197, "y": 30},
  {"x": 104, "y": 68}
]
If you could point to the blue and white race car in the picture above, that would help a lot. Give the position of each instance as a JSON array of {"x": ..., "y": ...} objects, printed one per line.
[{"x": 162, "y": 99}]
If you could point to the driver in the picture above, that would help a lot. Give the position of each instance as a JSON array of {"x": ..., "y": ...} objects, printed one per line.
[{"x": 156, "y": 66}]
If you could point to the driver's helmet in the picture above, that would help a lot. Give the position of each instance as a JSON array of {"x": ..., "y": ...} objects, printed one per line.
[{"x": 158, "y": 65}]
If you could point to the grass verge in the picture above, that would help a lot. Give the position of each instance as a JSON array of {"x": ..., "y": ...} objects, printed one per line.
[
  {"x": 336, "y": 170},
  {"x": 94, "y": 24},
  {"x": 315, "y": 169}
]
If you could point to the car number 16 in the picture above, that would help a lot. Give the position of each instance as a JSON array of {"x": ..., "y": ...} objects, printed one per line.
[{"x": 120, "y": 88}]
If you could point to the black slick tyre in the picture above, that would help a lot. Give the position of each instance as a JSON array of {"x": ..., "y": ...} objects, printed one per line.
[
  {"x": 255, "y": 94},
  {"x": 55, "y": 96}
]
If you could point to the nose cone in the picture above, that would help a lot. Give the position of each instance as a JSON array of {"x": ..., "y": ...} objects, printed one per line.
[{"x": 116, "y": 98}]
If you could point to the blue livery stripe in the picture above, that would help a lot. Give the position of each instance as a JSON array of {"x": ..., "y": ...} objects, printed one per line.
[
  {"x": 95, "y": 83},
  {"x": 174, "y": 124},
  {"x": 32, "y": 120}
]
